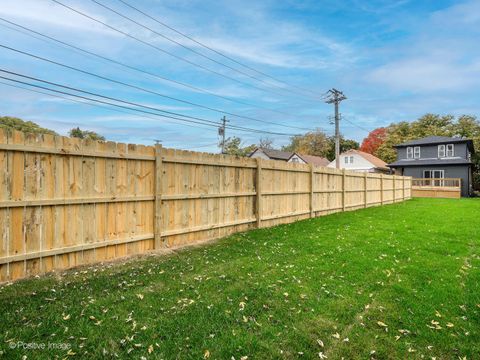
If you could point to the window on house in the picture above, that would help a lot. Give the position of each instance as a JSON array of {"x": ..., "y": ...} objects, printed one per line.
[
  {"x": 450, "y": 150},
  {"x": 441, "y": 151},
  {"x": 295, "y": 160},
  {"x": 416, "y": 152},
  {"x": 346, "y": 159},
  {"x": 409, "y": 152},
  {"x": 351, "y": 159},
  {"x": 435, "y": 175}
]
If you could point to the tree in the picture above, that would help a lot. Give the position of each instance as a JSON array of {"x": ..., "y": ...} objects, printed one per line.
[
  {"x": 233, "y": 146},
  {"x": 85, "y": 134},
  {"x": 311, "y": 143},
  {"x": 13, "y": 123},
  {"x": 265, "y": 143},
  {"x": 345, "y": 145},
  {"x": 319, "y": 144},
  {"x": 373, "y": 141}
]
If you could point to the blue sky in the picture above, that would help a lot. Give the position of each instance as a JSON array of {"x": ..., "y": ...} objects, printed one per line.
[{"x": 395, "y": 60}]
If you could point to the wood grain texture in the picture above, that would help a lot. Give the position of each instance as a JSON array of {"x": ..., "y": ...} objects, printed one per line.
[{"x": 66, "y": 202}]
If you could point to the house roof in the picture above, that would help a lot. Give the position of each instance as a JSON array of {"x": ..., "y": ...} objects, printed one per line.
[
  {"x": 275, "y": 154},
  {"x": 436, "y": 140},
  {"x": 314, "y": 160},
  {"x": 420, "y": 162},
  {"x": 375, "y": 161},
  {"x": 287, "y": 155}
]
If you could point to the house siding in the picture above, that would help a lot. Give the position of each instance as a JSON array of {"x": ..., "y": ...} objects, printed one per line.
[
  {"x": 431, "y": 151},
  {"x": 360, "y": 164},
  {"x": 259, "y": 154},
  {"x": 298, "y": 160}
]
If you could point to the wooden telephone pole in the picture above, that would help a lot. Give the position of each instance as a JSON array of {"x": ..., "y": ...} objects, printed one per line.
[
  {"x": 221, "y": 132},
  {"x": 335, "y": 97}
]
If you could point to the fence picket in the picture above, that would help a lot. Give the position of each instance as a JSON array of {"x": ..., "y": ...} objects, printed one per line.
[{"x": 66, "y": 202}]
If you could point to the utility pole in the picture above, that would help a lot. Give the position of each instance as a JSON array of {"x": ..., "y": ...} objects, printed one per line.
[
  {"x": 335, "y": 97},
  {"x": 221, "y": 132}
]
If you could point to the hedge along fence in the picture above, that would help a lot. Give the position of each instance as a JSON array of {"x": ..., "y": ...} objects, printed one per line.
[{"x": 66, "y": 202}]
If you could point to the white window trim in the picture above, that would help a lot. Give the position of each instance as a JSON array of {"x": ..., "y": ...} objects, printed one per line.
[
  {"x": 415, "y": 152},
  {"x": 346, "y": 159},
  {"x": 452, "y": 151},
  {"x": 351, "y": 159},
  {"x": 435, "y": 182},
  {"x": 409, "y": 152},
  {"x": 441, "y": 151},
  {"x": 441, "y": 171}
]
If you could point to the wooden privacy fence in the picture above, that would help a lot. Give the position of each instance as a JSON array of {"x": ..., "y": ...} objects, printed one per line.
[{"x": 66, "y": 202}]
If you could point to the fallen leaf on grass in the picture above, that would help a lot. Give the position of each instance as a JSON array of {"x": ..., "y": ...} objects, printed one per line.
[
  {"x": 320, "y": 342},
  {"x": 336, "y": 335},
  {"x": 382, "y": 324},
  {"x": 140, "y": 296},
  {"x": 206, "y": 355}
]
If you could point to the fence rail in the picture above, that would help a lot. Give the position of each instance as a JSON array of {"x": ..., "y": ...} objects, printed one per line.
[
  {"x": 437, "y": 187},
  {"x": 66, "y": 202},
  {"x": 437, "y": 182}
]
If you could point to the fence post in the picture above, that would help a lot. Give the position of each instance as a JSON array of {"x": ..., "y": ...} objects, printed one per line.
[
  {"x": 158, "y": 196},
  {"x": 403, "y": 188},
  {"x": 366, "y": 189},
  {"x": 258, "y": 190},
  {"x": 343, "y": 190},
  {"x": 381, "y": 189},
  {"x": 312, "y": 175},
  {"x": 394, "y": 189}
]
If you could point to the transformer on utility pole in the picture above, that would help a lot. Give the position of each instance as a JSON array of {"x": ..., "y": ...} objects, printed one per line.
[{"x": 335, "y": 97}]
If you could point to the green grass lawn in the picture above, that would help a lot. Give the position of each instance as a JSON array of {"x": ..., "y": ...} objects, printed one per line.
[{"x": 397, "y": 282}]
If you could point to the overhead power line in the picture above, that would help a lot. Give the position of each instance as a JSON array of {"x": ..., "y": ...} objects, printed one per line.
[
  {"x": 30, "y": 32},
  {"x": 186, "y": 118},
  {"x": 354, "y": 124},
  {"x": 86, "y": 102},
  {"x": 165, "y": 51},
  {"x": 135, "y": 86},
  {"x": 163, "y": 36},
  {"x": 210, "y": 48}
]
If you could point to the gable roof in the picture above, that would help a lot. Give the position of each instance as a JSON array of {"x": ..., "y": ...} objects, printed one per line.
[
  {"x": 435, "y": 140},
  {"x": 275, "y": 154},
  {"x": 375, "y": 161},
  {"x": 314, "y": 160},
  {"x": 287, "y": 155}
]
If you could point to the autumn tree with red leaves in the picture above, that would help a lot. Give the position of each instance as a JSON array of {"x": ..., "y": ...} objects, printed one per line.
[{"x": 373, "y": 141}]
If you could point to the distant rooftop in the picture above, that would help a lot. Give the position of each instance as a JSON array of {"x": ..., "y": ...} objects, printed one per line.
[
  {"x": 378, "y": 163},
  {"x": 286, "y": 155},
  {"x": 433, "y": 140},
  {"x": 277, "y": 154}
]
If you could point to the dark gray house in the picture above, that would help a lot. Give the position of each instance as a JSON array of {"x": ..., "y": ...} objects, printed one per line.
[{"x": 436, "y": 157}]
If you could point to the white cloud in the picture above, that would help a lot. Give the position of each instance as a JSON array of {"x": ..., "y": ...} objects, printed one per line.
[
  {"x": 48, "y": 13},
  {"x": 441, "y": 56}
]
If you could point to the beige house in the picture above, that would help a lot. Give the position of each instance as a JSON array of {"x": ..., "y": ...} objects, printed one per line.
[
  {"x": 356, "y": 160},
  {"x": 270, "y": 154}
]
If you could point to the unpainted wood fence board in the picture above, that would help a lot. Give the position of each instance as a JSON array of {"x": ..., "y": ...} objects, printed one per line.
[{"x": 66, "y": 202}]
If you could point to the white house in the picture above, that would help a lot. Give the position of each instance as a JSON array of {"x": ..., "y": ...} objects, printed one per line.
[
  {"x": 356, "y": 160},
  {"x": 288, "y": 156}
]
